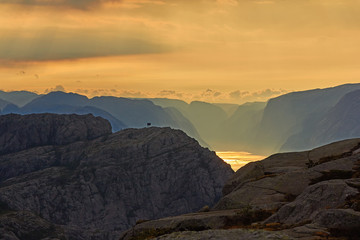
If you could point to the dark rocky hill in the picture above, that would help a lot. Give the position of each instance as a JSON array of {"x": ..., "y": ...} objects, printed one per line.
[
  {"x": 71, "y": 187},
  {"x": 301, "y": 195}
]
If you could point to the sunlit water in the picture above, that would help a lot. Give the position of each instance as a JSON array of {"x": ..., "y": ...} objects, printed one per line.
[{"x": 238, "y": 159}]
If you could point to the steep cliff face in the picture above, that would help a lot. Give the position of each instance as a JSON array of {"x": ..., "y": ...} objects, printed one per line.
[
  {"x": 105, "y": 185},
  {"x": 295, "y": 112},
  {"x": 340, "y": 122}
]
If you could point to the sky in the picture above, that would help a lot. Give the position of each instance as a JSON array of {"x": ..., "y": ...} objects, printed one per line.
[{"x": 212, "y": 50}]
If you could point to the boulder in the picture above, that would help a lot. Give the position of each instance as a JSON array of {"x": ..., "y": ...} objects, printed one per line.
[
  {"x": 323, "y": 195},
  {"x": 271, "y": 183}
]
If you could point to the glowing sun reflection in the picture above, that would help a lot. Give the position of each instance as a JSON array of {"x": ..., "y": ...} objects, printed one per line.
[{"x": 238, "y": 159}]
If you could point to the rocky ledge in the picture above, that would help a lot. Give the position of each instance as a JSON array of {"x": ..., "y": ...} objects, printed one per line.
[
  {"x": 68, "y": 177},
  {"x": 301, "y": 195}
]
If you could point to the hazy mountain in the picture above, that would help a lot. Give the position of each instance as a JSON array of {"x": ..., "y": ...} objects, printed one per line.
[
  {"x": 121, "y": 112},
  {"x": 71, "y": 171},
  {"x": 238, "y": 129},
  {"x": 64, "y": 103},
  {"x": 166, "y": 102},
  {"x": 285, "y": 115},
  {"x": 56, "y": 98},
  {"x": 183, "y": 123},
  {"x": 207, "y": 118},
  {"x": 134, "y": 113},
  {"x": 19, "y": 98},
  {"x": 340, "y": 122},
  {"x": 3, "y": 104},
  {"x": 229, "y": 108},
  {"x": 287, "y": 122}
]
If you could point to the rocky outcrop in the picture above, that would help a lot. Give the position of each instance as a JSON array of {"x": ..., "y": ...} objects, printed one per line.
[
  {"x": 268, "y": 184},
  {"x": 324, "y": 195},
  {"x": 101, "y": 187},
  {"x": 26, "y": 225},
  {"x": 231, "y": 234},
  {"x": 304, "y": 195},
  {"x": 19, "y": 132},
  {"x": 200, "y": 221}
]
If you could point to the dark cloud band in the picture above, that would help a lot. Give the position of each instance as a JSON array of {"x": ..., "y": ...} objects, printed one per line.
[
  {"x": 56, "y": 45},
  {"x": 81, "y": 4}
]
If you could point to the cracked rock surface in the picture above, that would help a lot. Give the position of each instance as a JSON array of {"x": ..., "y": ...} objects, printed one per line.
[
  {"x": 98, "y": 184},
  {"x": 303, "y": 195}
]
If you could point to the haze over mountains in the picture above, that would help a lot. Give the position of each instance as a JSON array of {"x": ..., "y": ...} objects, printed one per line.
[
  {"x": 71, "y": 177},
  {"x": 291, "y": 122}
]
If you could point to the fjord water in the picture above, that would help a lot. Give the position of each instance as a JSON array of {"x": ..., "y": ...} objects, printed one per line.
[{"x": 238, "y": 159}]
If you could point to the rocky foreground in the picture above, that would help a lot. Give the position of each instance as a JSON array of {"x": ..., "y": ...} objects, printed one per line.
[
  {"x": 69, "y": 177},
  {"x": 301, "y": 195}
]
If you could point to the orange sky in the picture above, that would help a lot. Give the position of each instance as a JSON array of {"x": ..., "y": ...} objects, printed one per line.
[{"x": 212, "y": 50}]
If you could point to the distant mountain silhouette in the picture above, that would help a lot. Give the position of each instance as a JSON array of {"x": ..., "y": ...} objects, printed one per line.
[
  {"x": 292, "y": 113},
  {"x": 207, "y": 118},
  {"x": 57, "y": 98},
  {"x": 229, "y": 108},
  {"x": 138, "y": 112},
  {"x": 286, "y": 123},
  {"x": 291, "y": 122},
  {"x": 166, "y": 102},
  {"x": 340, "y": 122},
  {"x": 3, "y": 104},
  {"x": 239, "y": 128},
  {"x": 19, "y": 98},
  {"x": 121, "y": 112}
]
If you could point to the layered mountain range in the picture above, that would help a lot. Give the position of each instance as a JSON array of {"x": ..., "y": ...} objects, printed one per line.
[
  {"x": 291, "y": 122},
  {"x": 70, "y": 177}
]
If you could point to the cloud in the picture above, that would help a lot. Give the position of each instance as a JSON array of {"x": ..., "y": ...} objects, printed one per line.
[
  {"x": 238, "y": 94},
  {"x": 261, "y": 95},
  {"x": 81, "y": 4},
  {"x": 228, "y": 2},
  {"x": 207, "y": 95},
  {"x": 73, "y": 44},
  {"x": 264, "y": 2},
  {"x": 266, "y": 93},
  {"x": 216, "y": 94},
  {"x": 132, "y": 94},
  {"x": 170, "y": 94},
  {"x": 55, "y": 89},
  {"x": 210, "y": 93},
  {"x": 167, "y": 92},
  {"x": 84, "y": 91}
]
